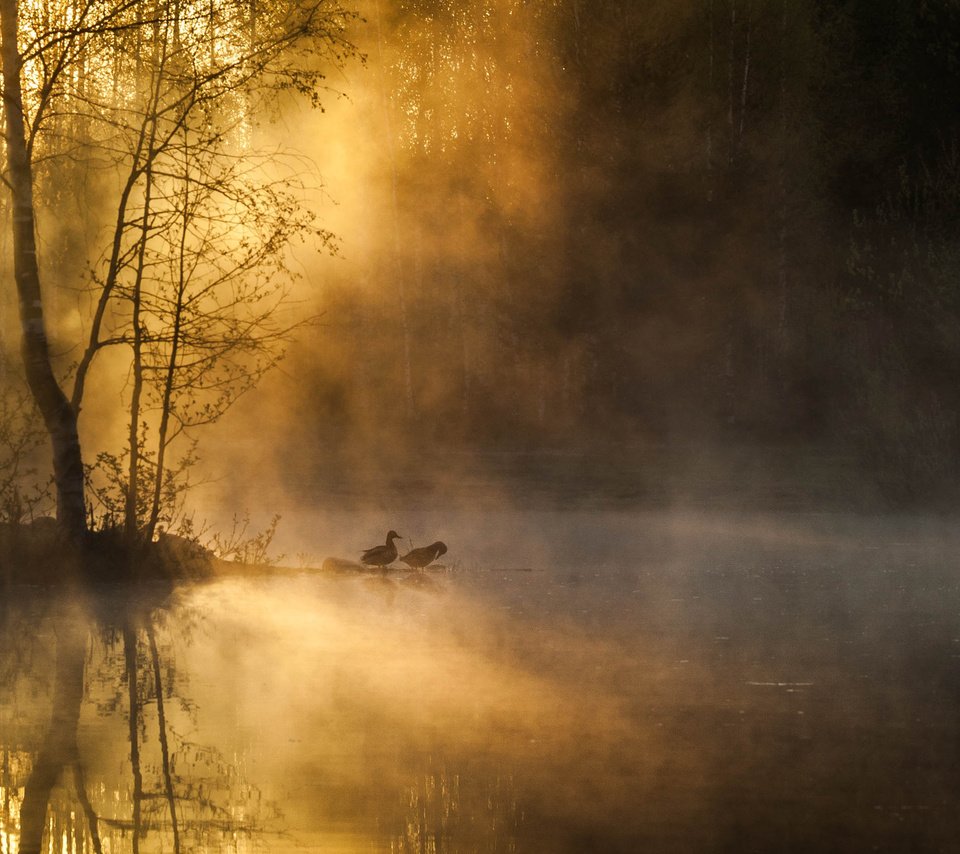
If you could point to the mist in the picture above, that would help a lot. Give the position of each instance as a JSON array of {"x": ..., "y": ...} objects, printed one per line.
[
  {"x": 646, "y": 313},
  {"x": 650, "y": 254},
  {"x": 574, "y": 251}
]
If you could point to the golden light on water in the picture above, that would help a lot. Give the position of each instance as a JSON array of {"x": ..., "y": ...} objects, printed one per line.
[
  {"x": 344, "y": 710},
  {"x": 487, "y": 709},
  {"x": 11, "y": 798}
]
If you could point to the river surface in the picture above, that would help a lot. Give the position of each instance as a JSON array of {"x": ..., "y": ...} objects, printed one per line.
[{"x": 571, "y": 682}]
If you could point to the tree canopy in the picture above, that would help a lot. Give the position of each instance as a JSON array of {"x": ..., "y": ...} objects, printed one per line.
[{"x": 135, "y": 148}]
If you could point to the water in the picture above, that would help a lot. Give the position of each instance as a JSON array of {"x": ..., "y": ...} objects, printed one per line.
[{"x": 577, "y": 682}]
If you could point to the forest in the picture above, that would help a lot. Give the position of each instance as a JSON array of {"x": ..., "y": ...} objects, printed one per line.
[
  {"x": 635, "y": 324},
  {"x": 619, "y": 229},
  {"x": 554, "y": 241}
]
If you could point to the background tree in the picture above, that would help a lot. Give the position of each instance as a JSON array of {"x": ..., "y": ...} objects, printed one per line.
[{"x": 625, "y": 227}]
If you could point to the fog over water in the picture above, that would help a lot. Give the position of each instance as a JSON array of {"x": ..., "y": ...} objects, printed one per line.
[{"x": 706, "y": 683}]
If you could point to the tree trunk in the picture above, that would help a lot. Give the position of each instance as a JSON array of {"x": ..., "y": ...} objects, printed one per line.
[
  {"x": 397, "y": 249},
  {"x": 93, "y": 821},
  {"x": 133, "y": 720},
  {"x": 58, "y": 415},
  {"x": 731, "y": 60},
  {"x": 59, "y": 747},
  {"x": 782, "y": 276},
  {"x": 746, "y": 81},
  {"x": 158, "y": 61},
  {"x": 164, "y": 746},
  {"x": 172, "y": 364},
  {"x": 711, "y": 58},
  {"x": 133, "y": 484}
]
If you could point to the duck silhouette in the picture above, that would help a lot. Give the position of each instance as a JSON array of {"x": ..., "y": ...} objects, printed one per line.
[
  {"x": 382, "y": 555},
  {"x": 425, "y": 555}
]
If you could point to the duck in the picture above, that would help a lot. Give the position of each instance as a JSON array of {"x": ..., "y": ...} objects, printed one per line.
[
  {"x": 382, "y": 555},
  {"x": 425, "y": 555}
]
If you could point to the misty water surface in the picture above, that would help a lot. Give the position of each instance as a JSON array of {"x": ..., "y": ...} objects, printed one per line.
[{"x": 573, "y": 682}]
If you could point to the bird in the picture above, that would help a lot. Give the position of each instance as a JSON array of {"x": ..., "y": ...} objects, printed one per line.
[
  {"x": 425, "y": 555},
  {"x": 382, "y": 555}
]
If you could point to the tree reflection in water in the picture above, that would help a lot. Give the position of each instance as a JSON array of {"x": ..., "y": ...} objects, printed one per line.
[
  {"x": 77, "y": 668},
  {"x": 437, "y": 814},
  {"x": 100, "y": 754}
]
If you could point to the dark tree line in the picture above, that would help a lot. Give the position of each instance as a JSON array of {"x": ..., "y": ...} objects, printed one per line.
[{"x": 658, "y": 222}]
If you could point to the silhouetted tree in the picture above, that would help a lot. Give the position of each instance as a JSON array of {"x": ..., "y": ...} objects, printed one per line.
[{"x": 159, "y": 105}]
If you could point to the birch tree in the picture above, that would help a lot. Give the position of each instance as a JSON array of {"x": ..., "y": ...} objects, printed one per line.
[
  {"x": 59, "y": 416},
  {"x": 160, "y": 103}
]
